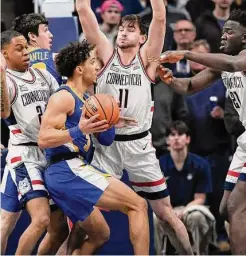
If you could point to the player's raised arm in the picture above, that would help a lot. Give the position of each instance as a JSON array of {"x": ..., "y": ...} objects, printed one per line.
[
  {"x": 189, "y": 85},
  {"x": 154, "y": 45},
  {"x": 51, "y": 134},
  {"x": 92, "y": 31}
]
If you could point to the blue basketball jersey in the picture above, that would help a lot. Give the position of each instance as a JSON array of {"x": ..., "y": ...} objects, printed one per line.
[
  {"x": 43, "y": 59},
  {"x": 82, "y": 145}
]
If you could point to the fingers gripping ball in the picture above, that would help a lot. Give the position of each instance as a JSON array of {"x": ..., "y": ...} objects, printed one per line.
[{"x": 105, "y": 105}]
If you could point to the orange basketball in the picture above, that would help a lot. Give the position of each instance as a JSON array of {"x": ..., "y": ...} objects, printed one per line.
[{"x": 105, "y": 105}]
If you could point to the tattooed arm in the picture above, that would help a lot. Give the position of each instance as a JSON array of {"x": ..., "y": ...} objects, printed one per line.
[{"x": 5, "y": 103}]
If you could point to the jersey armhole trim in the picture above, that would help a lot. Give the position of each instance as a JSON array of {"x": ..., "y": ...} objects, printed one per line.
[
  {"x": 106, "y": 65},
  {"x": 144, "y": 70},
  {"x": 15, "y": 92}
]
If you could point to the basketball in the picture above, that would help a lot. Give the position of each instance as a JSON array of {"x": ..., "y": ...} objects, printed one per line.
[{"x": 105, "y": 105}]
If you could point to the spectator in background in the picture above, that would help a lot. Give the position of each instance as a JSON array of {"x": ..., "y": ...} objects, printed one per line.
[
  {"x": 110, "y": 11},
  {"x": 173, "y": 15},
  {"x": 209, "y": 137},
  {"x": 209, "y": 25},
  {"x": 189, "y": 180},
  {"x": 184, "y": 36}
]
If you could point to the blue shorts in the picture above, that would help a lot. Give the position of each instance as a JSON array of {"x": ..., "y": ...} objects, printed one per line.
[
  {"x": 18, "y": 188},
  {"x": 75, "y": 187}
]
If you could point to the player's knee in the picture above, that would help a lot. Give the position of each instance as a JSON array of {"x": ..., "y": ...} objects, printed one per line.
[
  {"x": 141, "y": 204},
  {"x": 41, "y": 222},
  {"x": 102, "y": 237}
]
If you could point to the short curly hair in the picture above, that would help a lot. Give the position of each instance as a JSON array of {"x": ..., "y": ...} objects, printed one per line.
[
  {"x": 239, "y": 16},
  {"x": 71, "y": 56},
  {"x": 27, "y": 23}
]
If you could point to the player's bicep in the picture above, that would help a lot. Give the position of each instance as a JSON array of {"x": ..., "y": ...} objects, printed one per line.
[
  {"x": 12, "y": 89},
  {"x": 240, "y": 63}
]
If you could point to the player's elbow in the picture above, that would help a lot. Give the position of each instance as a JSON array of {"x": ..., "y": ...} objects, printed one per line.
[
  {"x": 42, "y": 141},
  {"x": 82, "y": 7},
  {"x": 5, "y": 114}
]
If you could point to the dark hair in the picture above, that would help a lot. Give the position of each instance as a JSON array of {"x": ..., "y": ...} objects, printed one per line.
[
  {"x": 132, "y": 18},
  {"x": 71, "y": 56},
  {"x": 180, "y": 127},
  {"x": 239, "y": 16},
  {"x": 27, "y": 23},
  {"x": 7, "y": 36}
]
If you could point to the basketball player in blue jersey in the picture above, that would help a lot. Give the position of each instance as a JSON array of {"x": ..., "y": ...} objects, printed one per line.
[
  {"x": 74, "y": 184},
  {"x": 232, "y": 69},
  {"x": 127, "y": 74},
  {"x": 35, "y": 28}
]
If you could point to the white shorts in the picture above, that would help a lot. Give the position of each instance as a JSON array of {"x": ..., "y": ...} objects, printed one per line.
[
  {"x": 23, "y": 175},
  {"x": 237, "y": 169},
  {"x": 138, "y": 158}
]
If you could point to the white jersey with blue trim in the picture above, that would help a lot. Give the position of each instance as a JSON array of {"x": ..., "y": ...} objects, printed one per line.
[
  {"x": 29, "y": 93},
  {"x": 131, "y": 86},
  {"x": 236, "y": 88}
]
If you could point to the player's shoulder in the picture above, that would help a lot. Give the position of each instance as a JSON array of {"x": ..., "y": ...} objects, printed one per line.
[
  {"x": 62, "y": 97},
  {"x": 197, "y": 161}
]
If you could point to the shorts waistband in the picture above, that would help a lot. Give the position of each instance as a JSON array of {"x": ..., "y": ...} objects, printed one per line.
[
  {"x": 123, "y": 137},
  {"x": 27, "y": 144},
  {"x": 62, "y": 157}
]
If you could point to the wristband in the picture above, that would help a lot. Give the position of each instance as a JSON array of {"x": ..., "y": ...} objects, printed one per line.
[
  {"x": 75, "y": 132},
  {"x": 106, "y": 138}
]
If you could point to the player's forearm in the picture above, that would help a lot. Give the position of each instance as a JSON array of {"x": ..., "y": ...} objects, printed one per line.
[
  {"x": 217, "y": 61},
  {"x": 180, "y": 85},
  {"x": 159, "y": 9},
  {"x": 5, "y": 103},
  {"x": 51, "y": 138}
]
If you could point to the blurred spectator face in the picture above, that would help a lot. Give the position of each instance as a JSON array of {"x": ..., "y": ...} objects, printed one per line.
[
  {"x": 201, "y": 48},
  {"x": 129, "y": 35},
  {"x": 44, "y": 38},
  {"x": 111, "y": 12},
  {"x": 178, "y": 141},
  {"x": 224, "y": 4},
  {"x": 184, "y": 32},
  {"x": 16, "y": 54}
]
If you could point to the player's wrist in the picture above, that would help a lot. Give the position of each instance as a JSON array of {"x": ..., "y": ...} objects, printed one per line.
[{"x": 75, "y": 132}]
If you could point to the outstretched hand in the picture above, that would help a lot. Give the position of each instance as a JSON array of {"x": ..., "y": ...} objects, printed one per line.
[
  {"x": 92, "y": 125},
  {"x": 166, "y": 75},
  {"x": 172, "y": 56}
]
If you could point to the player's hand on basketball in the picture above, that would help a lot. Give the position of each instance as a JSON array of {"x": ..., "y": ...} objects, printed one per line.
[
  {"x": 92, "y": 125},
  {"x": 172, "y": 56},
  {"x": 166, "y": 75},
  {"x": 3, "y": 64},
  {"x": 125, "y": 122},
  {"x": 217, "y": 112}
]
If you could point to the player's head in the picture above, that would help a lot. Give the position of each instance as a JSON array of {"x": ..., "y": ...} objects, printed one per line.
[
  {"x": 35, "y": 28},
  {"x": 233, "y": 38},
  {"x": 14, "y": 50},
  {"x": 78, "y": 60},
  {"x": 178, "y": 136},
  {"x": 111, "y": 12},
  {"x": 132, "y": 32}
]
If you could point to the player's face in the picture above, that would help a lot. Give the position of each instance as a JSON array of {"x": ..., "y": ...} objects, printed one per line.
[
  {"x": 16, "y": 54},
  {"x": 232, "y": 36},
  {"x": 184, "y": 32},
  {"x": 178, "y": 141},
  {"x": 44, "y": 38},
  {"x": 194, "y": 65},
  {"x": 111, "y": 16},
  {"x": 129, "y": 35},
  {"x": 91, "y": 68}
]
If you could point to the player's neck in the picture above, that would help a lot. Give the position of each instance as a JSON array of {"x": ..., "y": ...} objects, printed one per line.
[
  {"x": 220, "y": 13},
  {"x": 127, "y": 55},
  {"x": 10, "y": 67},
  {"x": 179, "y": 156},
  {"x": 77, "y": 85}
]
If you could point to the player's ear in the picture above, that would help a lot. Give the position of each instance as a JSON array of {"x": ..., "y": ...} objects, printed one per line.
[
  {"x": 5, "y": 54},
  {"x": 79, "y": 70},
  {"x": 32, "y": 36},
  {"x": 143, "y": 39}
]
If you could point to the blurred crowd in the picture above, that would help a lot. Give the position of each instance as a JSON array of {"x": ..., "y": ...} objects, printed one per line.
[{"x": 213, "y": 123}]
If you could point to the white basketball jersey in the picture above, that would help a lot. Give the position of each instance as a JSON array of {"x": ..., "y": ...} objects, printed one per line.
[
  {"x": 236, "y": 88},
  {"x": 29, "y": 93},
  {"x": 131, "y": 86}
]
